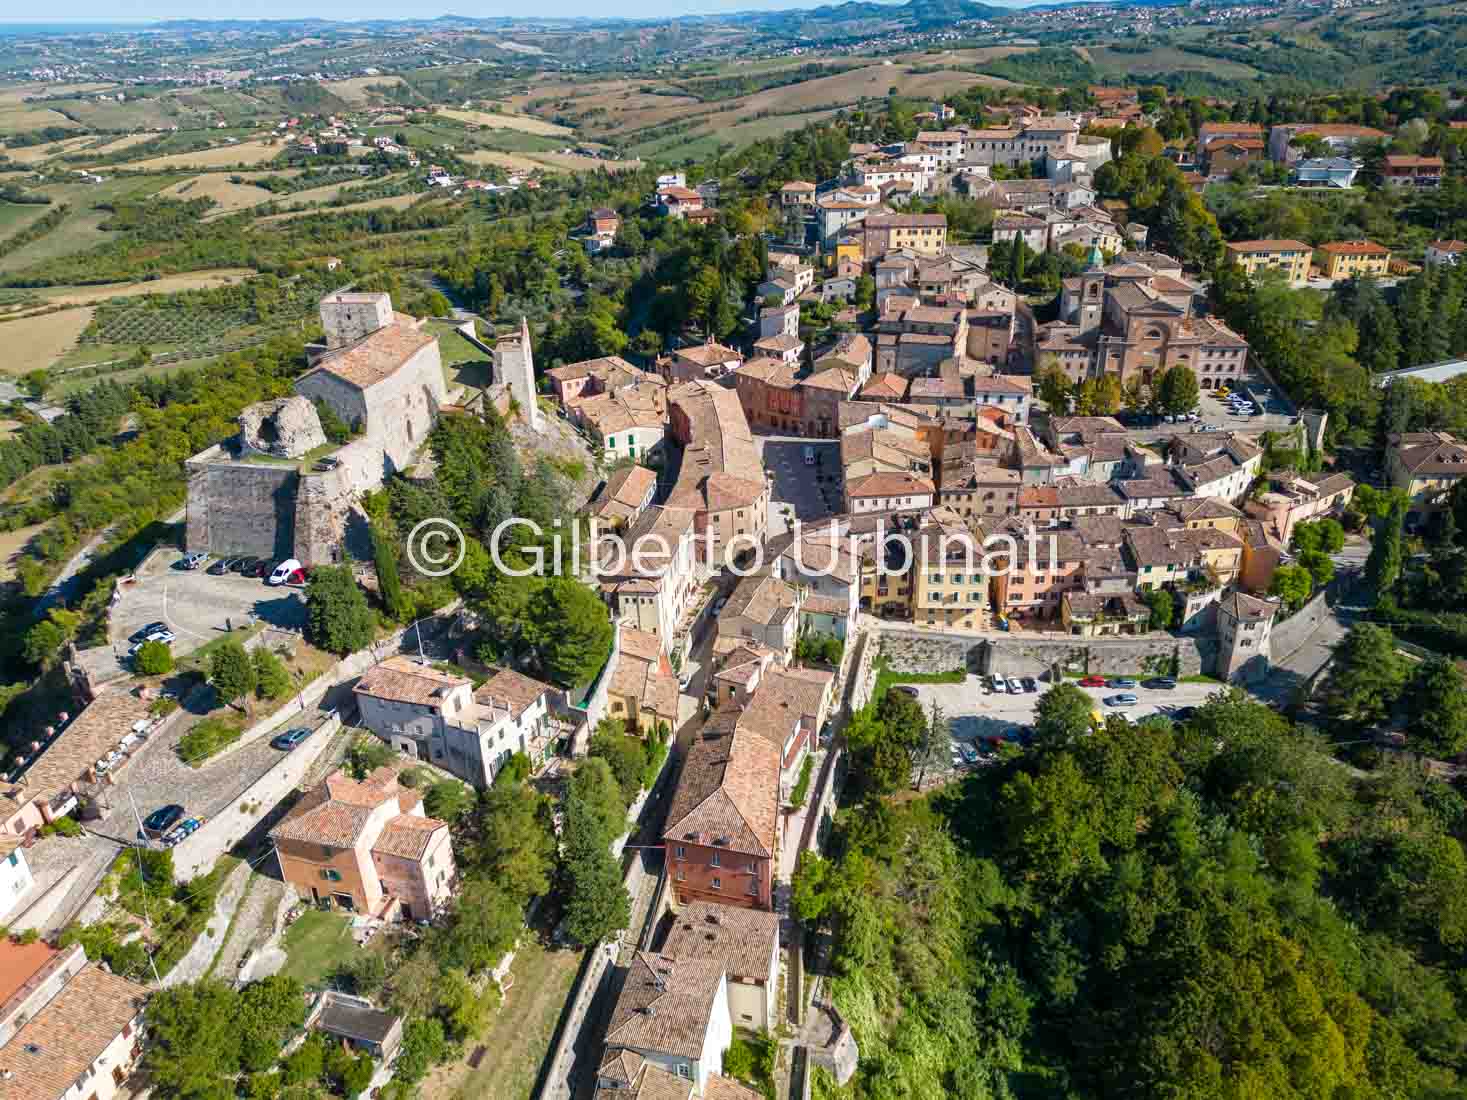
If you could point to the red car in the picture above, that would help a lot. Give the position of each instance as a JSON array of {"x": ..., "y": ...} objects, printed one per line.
[{"x": 1093, "y": 682}]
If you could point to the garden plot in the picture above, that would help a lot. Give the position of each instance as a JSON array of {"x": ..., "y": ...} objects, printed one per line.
[{"x": 221, "y": 156}]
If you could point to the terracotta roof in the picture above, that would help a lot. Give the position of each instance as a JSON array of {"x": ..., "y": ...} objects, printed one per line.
[
  {"x": 654, "y": 1083},
  {"x": 407, "y": 836},
  {"x": 607, "y": 366},
  {"x": 1267, "y": 246},
  {"x": 798, "y": 185},
  {"x": 770, "y": 371},
  {"x": 780, "y": 342},
  {"x": 1449, "y": 246},
  {"x": 762, "y": 598},
  {"x": 627, "y": 487},
  {"x": 19, "y": 963},
  {"x": 1248, "y": 608},
  {"x": 89, "y": 736},
  {"x": 1354, "y": 248},
  {"x": 885, "y": 483},
  {"x": 710, "y": 354},
  {"x": 907, "y": 221},
  {"x": 377, "y": 356},
  {"x": 52, "y": 1050},
  {"x": 1414, "y": 162},
  {"x": 513, "y": 688},
  {"x": 665, "y": 1005},
  {"x": 336, "y": 812},
  {"x": 403, "y": 680},
  {"x": 720, "y": 1087},
  {"x": 885, "y": 386},
  {"x": 728, "y": 790},
  {"x": 742, "y": 940}
]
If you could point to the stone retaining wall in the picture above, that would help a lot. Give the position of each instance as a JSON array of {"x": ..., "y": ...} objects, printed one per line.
[{"x": 1018, "y": 655}]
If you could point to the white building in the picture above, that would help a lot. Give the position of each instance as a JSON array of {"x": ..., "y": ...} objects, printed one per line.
[{"x": 15, "y": 874}]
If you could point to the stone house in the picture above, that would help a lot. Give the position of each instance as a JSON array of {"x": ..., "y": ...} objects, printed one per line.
[
  {"x": 367, "y": 847},
  {"x": 642, "y": 691},
  {"x": 1244, "y": 630},
  {"x": 670, "y": 1020}
]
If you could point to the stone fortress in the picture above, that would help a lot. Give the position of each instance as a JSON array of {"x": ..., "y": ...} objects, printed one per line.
[{"x": 266, "y": 491}]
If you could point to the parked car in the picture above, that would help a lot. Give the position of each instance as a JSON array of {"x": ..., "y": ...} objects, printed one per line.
[
  {"x": 1015, "y": 687},
  {"x": 193, "y": 559},
  {"x": 161, "y": 820},
  {"x": 1031, "y": 685},
  {"x": 1093, "y": 682},
  {"x": 166, "y": 636},
  {"x": 1181, "y": 714},
  {"x": 906, "y": 689},
  {"x": 220, "y": 567},
  {"x": 1160, "y": 683},
  {"x": 1120, "y": 682},
  {"x": 263, "y": 567},
  {"x": 282, "y": 573},
  {"x": 997, "y": 685},
  {"x": 968, "y": 753},
  {"x": 289, "y": 739},
  {"x": 238, "y": 565},
  {"x": 141, "y": 635},
  {"x": 1124, "y": 699},
  {"x": 325, "y": 464}
]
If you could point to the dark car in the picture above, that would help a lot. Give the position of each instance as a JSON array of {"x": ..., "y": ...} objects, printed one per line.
[
  {"x": 289, "y": 739},
  {"x": 262, "y": 568},
  {"x": 219, "y": 568},
  {"x": 151, "y": 628},
  {"x": 1030, "y": 684},
  {"x": 161, "y": 820},
  {"x": 1181, "y": 714},
  {"x": 906, "y": 690},
  {"x": 242, "y": 566},
  {"x": 1120, "y": 682},
  {"x": 1160, "y": 683}
]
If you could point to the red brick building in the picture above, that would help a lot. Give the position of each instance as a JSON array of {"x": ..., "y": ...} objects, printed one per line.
[{"x": 723, "y": 820}]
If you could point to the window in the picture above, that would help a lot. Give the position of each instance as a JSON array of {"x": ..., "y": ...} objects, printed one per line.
[
  {"x": 683, "y": 1071},
  {"x": 331, "y": 876},
  {"x": 682, "y": 876},
  {"x": 717, "y": 883},
  {"x": 680, "y": 852},
  {"x": 716, "y": 861}
]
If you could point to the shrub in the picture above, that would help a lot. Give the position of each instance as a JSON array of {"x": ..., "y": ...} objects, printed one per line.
[
  {"x": 154, "y": 659},
  {"x": 207, "y": 738},
  {"x": 272, "y": 678},
  {"x": 62, "y": 826},
  {"x": 802, "y": 785}
]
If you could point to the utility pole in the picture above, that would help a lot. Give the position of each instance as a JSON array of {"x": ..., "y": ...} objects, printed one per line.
[{"x": 138, "y": 857}]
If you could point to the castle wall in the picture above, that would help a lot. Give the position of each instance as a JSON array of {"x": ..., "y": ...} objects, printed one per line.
[
  {"x": 240, "y": 507},
  {"x": 346, "y": 401},
  {"x": 401, "y": 409}
]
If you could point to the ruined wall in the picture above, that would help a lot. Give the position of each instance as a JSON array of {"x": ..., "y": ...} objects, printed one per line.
[
  {"x": 329, "y": 524},
  {"x": 240, "y": 507}
]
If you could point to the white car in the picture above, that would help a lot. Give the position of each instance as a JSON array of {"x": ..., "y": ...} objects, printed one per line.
[
  {"x": 284, "y": 571},
  {"x": 167, "y": 637},
  {"x": 1015, "y": 687}
]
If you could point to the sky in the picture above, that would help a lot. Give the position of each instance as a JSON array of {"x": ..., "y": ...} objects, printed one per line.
[{"x": 140, "y": 10}]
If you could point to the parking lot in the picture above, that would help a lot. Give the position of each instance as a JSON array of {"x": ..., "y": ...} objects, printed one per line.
[
  {"x": 973, "y": 714},
  {"x": 196, "y": 606},
  {"x": 808, "y": 492}
]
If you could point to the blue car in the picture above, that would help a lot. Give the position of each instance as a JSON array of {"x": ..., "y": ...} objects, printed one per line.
[
  {"x": 289, "y": 739},
  {"x": 1121, "y": 682}
]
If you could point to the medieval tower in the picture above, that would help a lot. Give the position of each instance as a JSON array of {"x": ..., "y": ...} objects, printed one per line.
[{"x": 514, "y": 366}]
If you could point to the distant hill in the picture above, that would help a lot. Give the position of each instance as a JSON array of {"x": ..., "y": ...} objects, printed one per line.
[{"x": 915, "y": 14}]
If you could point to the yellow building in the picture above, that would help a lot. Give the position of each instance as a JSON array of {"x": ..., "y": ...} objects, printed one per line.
[
  {"x": 949, "y": 584},
  {"x": 848, "y": 249},
  {"x": 1256, "y": 257},
  {"x": 1346, "y": 259},
  {"x": 924, "y": 234}
]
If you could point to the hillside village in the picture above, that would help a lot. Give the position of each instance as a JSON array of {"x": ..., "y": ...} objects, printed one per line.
[{"x": 847, "y": 553}]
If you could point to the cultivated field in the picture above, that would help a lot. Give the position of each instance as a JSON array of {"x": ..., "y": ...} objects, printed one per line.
[
  {"x": 193, "y": 280},
  {"x": 354, "y": 91},
  {"x": 24, "y": 116},
  {"x": 34, "y": 154},
  {"x": 496, "y": 121},
  {"x": 15, "y": 216},
  {"x": 229, "y": 197},
  {"x": 395, "y": 202},
  {"x": 36, "y": 342},
  {"x": 80, "y": 230},
  {"x": 1166, "y": 59},
  {"x": 122, "y": 143},
  {"x": 223, "y": 156}
]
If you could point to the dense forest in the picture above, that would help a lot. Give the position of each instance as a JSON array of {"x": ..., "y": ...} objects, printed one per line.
[{"x": 1213, "y": 908}]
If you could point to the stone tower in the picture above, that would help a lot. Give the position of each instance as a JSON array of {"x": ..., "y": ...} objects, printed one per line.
[
  {"x": 514, "y": 366},
  {"x": 1244, "y": 629},
  {"x": 349, "y": 317}
]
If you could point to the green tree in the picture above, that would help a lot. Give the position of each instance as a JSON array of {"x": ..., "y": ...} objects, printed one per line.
[
  {"x": 1177, "y": 390},
  {"x": 1383, "y": 567},
  {"x": 231, "y": 671},
  {"x": 1063, "y": 714},
  {"x": 1052, "y": 386},
  {"x": 45, "y": 640},
  {"x": 154, "y": 659},
  {"x": 272, "y": 678},
  {"x": 423, "y": 1046},
  {"x": 448, "y": 800},
  {"x": 1163, "y": 607},
  {"x": 1292, "y": 584},
  {"x": 1368, "y": 675},
  {"x": 338, "y": 619},
  {"x": 389, "y": 582},
  {"x": 623, "y": 754},
  {"x": 570, "y": 630},
  {"x": 1320, "y": 567},
  {"x": 596, "y": 902},
  {"x": 1438, "y": 703}
]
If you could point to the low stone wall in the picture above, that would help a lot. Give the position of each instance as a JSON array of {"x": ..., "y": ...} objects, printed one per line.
[
  {"x": 195, "y": 855},
  {"x": 1018, "y": 655}
]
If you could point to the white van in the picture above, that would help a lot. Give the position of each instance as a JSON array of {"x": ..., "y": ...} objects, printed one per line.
[{"x": 284, "y": 571}]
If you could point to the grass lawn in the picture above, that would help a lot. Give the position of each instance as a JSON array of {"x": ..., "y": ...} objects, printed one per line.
[
  {"x": 887, "y": 678},
  {"x": 316, "y": 944},
  {"x": 511, "y": 1052}
]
